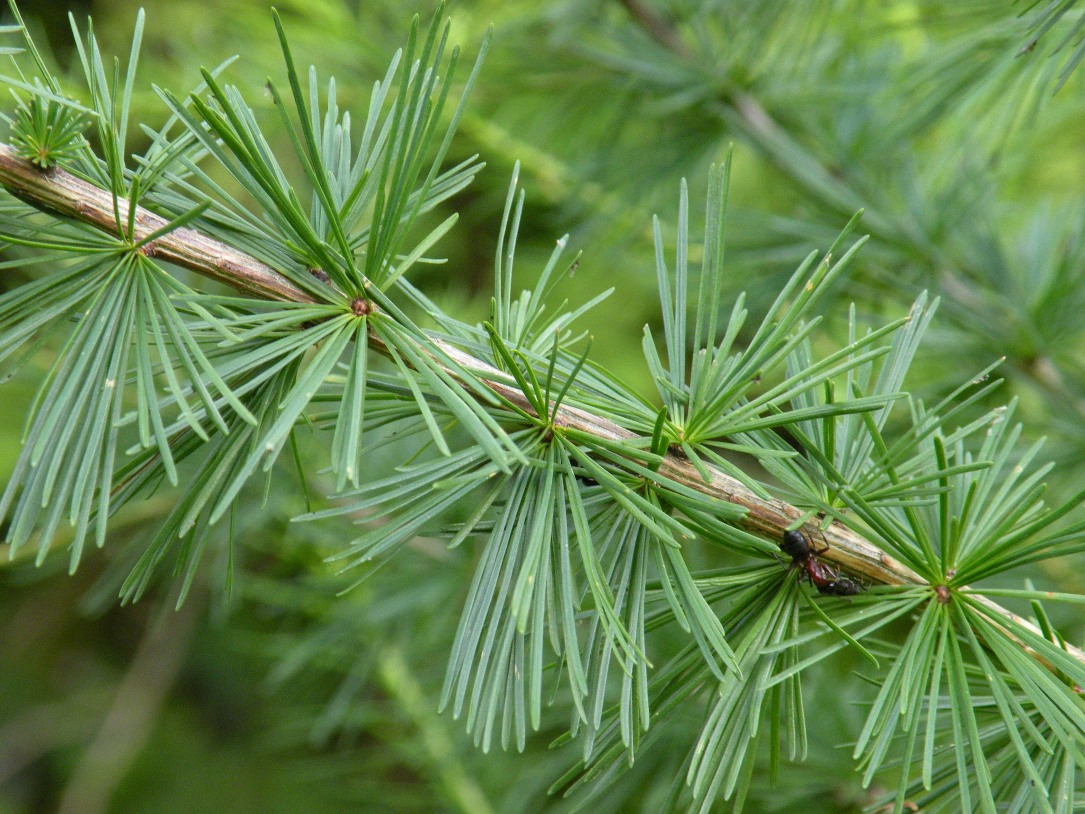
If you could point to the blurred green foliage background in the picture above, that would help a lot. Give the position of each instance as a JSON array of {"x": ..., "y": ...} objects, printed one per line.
[{"x": 283, "y": 697}]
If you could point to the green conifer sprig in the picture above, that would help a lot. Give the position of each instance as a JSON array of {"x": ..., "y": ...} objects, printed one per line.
[
  {"x": 47, "y": 133},
  {"x": 587, "y": 503}
]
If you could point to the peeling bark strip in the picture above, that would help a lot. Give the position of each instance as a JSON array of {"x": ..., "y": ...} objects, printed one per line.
[{"x": 60, "y": 193}]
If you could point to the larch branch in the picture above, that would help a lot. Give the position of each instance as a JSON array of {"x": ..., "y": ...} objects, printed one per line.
[{"x": 60, "y": 193}]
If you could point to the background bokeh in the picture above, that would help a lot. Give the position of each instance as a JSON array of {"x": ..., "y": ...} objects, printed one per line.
[{"x": 279, "y": 695}]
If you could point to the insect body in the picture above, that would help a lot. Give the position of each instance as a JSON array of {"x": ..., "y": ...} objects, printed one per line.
[{"x": 825, "y": 578}]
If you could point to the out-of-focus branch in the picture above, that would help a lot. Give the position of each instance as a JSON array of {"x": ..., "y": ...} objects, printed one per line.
[{"x": 127, "y": 726}]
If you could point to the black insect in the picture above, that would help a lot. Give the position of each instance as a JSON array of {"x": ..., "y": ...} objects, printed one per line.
[{"x": 825, "y": 578}]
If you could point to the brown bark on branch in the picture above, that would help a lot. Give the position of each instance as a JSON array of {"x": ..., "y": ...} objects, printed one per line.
[{"x": 61, "y": 193}]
